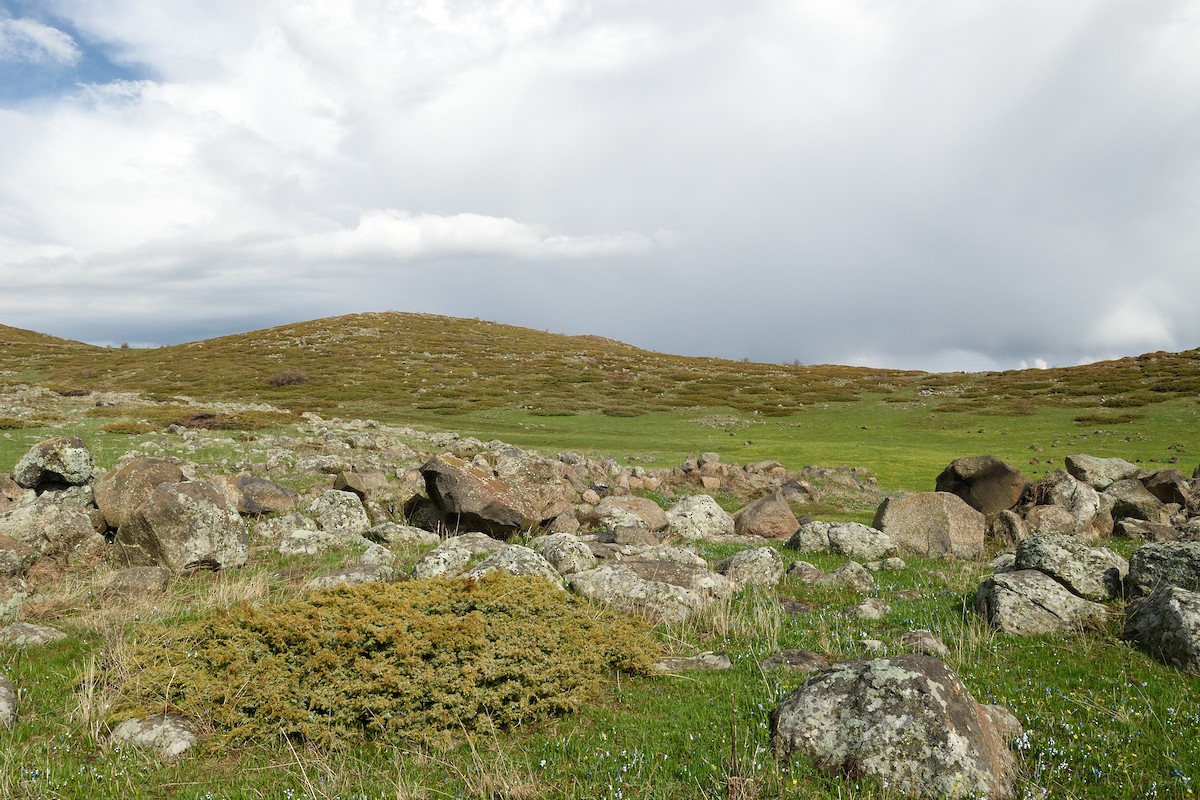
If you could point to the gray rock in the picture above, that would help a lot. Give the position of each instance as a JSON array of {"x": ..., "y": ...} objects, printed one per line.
[
  {"x": 52, "y": 525},
  {"x": 120, "y": 491},
  {"x": 664, "y": 552},
  {"x": 392, "y": 533},
  {"x": 8, "y": 703},
  {"x": 65, "y": 461},
  {"x": 1028, "y": 603},
  {"x": 1060, "y": 489},
  {"x": 310, "y": 543},
  {"x": 986, "y": 483},
  {"x": 257, "y": 496},
  {"x": 1006, "y": 529},
  {"x": 1165, "y": 563},
  {"x": 630, "y": 512},
  {"x": 769, "y": 517},
  {"x": 870, "y": 609},
  {"x": 704, "y": 583},
  {"x": 1167, "y": 624},
  {"x": 138, "y": 582},
  {"x": 906, "y": 720},
  {"x": 279, "y": 528},
  {"x": 378, "y": 555},
  {"x": 168, "y": 734},
  {"x": 23, "y": 634},
  {"x": 13, "y": 594},
  {"x": 811, "y": 537},
  {"x": 1100, "y": 473},
  {"x": 184, "y": 526},
  {"x": 805, "y": 572},
  {"x": 892, "y": 564},
  {"x": 924, "y": 641},
  {"x": 565, "y": 552},
  {"x": 516, "y": 560},
  {"x": 795, "y": 660},
  {"x": 340, "y": 512},
  {"x": 472, "y": 497},
  {"x": 1047, "y": 520},
  {"x": 708, "y": 662},
  {"x": 353, "y": 576},
  {"x": 1133, "y": 500},
  {"x": 851, "y": 574},
  {"x": 1130, "y": 528},
  {"x": 1169, "y": 486},
  {"x": 619, "y": 587},
  {"x": 932, "y": 524},
  {"x": 854, "y": 540},
  {"x": 758, "y": 566},
  {"x": 699, "y": 517},
  {"x": 1093, "y": 573},
  {"x": 441, "y": 562},
  {"x": 15, "y": 557}
]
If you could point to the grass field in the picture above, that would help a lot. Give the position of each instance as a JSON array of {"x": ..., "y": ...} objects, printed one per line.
[{"x": 1102, "y": 719}]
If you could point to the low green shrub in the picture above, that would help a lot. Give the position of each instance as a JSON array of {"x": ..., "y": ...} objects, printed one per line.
[
  {"x": 422, "y": 661},
  {"x": 128, "y": 427}
]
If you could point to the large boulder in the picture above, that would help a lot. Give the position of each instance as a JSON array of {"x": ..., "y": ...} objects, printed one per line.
[
  {"x": 55, "y": 524},
  {"x": 1043, "y": 520},
  {"x": 932, "y": 524},
  {"x": 855, "y": 540},
  {"x": 1100, "y": 473},
  {"x": 907, "y": 720},
  {"x": 254, "y": 496},
  {"x": 120, "y": 491},
  {"x": 454, "y": 554},
  {"x": 699, "y": 516},
  {"x": 54, "y": 463},
  {"x": 473, "y": 498},
  {"x": 1028, "y": 602},
  {"x": 1006, "y": 529},
  {"x": 986, "y": 483},
  {"x": 758, "y": 566},
  {"x": 183, "y": 526},
  {"x": 618, "y": 586},
  {"x": 1131, "y": 499},
  {"x": 565, "y": 552},
  {"x": 1169, "y": 486},
  {"x": 1060, "y": 489},
  {"x": 340, "y": 513},
  {"x": 1093, "y": 573},
  {"x": 1167, "y": 624},
  {"x": 516, "y": 560},
  {"x": 640, "y": 513},
  {"x": 1165, "y": 563},
  {"x": 769, "y": 517}
]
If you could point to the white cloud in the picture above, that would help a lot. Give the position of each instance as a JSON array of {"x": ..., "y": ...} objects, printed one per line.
[{"x": 33, "y": 42}]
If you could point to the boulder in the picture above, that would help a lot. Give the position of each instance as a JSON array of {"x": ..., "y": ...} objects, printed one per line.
[
  {"x": 1046, "y": 520},
  {"x": 355, "y": 575},
  {"x": 137, "y": 582},
  {"x": 339, "y": 512},
  {"x": 1100, "y": 473},
  {"x": 120, "y": 491},
  {"x": 1028, "y": 602},
  {"x": 516, "y": 560},
  {"x": 393, "y": 533},
  {"x": 702, "y": 581},
  {"x": 758, "y": 566},
  {"x": 707, "y": 662},
  {"x": 55, "y": 524},
  {"x": 932, "y": 524},
  {"x": 855, "y": 540},
  {"x": 306, "y": 542},
  {"x": 986, "y": 483},
  {"x": 452, "y": 555},
  {"x": 699, "y": 517},
  {"x": 1162, "y": 564},
  {"x": 23, "y": 634},
  {"x": 15, "y": 557},
  {"x": 811, "y": 537},
  {"x": 12, "y": 495},
  {"x": 769, "y": 517},
  {"x": 619, "y": 587},
  {"x": 1166, "y": 623},
  {"x": 363, "y": 484},
  {"x": 1169, "y": 486},
  {"x": 473, "y": 498},
  {"x": 183, "y": 526},
  {"x": 169, "y": 735},
  {"x": 54, "y": 463},
  {"x": 870, "y": 609},
  {"x": 906, "y": 720},
  {"x": 1060, "y": 489},
  {"x": 565, "y": 552},
  {"x": 1130, "y": 528},
  {"x": 924, "y": 641},
  {"x": 1093, "y": 573},
  {"x": 253, "y": 496},
  {"x": 1005, "y": 529},
  {"x": 1133, "y": 500},
  {"x": 639, "y": 513}
]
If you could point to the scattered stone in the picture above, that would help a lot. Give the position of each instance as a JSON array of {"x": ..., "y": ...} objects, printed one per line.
[
  {"x": 914, "y": 726},
  {"x": 1060, "y": 489},
  {"x": 253, "y": 496},
  {"x": 1167, "y": 625},
  {"x": 618, "y": 586},
  {"x": 851, "y": 574},
  {"x": 758, "y": 566},
  {"x": 870, "y": 609},
  {"x": 1165, "y": 563},
  {"x": 639, "y": 513},
  {"x": 796, "y": 608},
  {"x": 65, "y": 461},
  {"x": 566, "y": 553},
  {"x": 1028, "y": 602},
  {"x": 471, "y": 497},
  {"x": 168, "y": 734},
  {"x": 932, "y": 524},
  {"x": 770, "y": 517},
  {"x": 854, "y": 540},
  {"x": 1051, "y": 520},
  {"x": 872, "y": 645},
  {"x": 987, "y": 484},
  {"x": 363, "y": 484},
  {"x": 710, "y": 662},
  {"x": 391, "y": 533},
  {"x": 805, "y": 572},
  {"x": 795, "y": 660},
  {"x": 1093, "y": 573},
  {"x": 441, "y": 562},
  {"x": 699, "y": 516},
  {"x": 340, "y": 512},
  {"x": 892, "y": 564},
  {"x": 309, "y": 543},
  {"x": 181, "y": 526},
  {"x": 1130, "y": 528},
  {"x": 1100, "y": 473},
  {"x": 924, "y": 641},
  {"x": 138, "y": 582},
  {"x": 8, "y": 703},
  {"x": 24, "y": 634},
  {"x": 811, "y": 537},
  {"x": 353, "y": 576}
]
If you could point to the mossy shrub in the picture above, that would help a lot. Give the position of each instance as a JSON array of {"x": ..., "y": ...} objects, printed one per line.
[
  {"x": 128, "y": 427},
  {"x": 424, "y": 661}
]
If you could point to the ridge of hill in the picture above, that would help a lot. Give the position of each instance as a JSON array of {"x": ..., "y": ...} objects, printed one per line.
[{"x": 381, "y": 363}]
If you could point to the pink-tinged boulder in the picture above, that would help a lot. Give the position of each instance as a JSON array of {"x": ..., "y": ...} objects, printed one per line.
[
  {"x": 986, "y": 483},
  {"x": 769, "y": 517},
  {"x": 120, "y": 491},
  {"x": 184, "y": 526},
  {"x": 257, "y": 496},
  {"x": 472, "y": 498},
  {"x": 932, "y": 524}
]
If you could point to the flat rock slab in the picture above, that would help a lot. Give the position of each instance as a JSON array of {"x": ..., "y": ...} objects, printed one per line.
[
  {"x": 795, "y": 660},
  {"x": 710, "y": 662},
  {"x": 1028, "y": 603},
  {"x": 8, "y": 702},
  {"x": 168, "y": 734},
  {"x": 23, "y": 634}
]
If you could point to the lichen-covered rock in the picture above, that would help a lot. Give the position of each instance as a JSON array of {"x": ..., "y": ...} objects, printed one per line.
[
  {"x": 168, "y": 734},
  {"x": 795, "y": 660},
  {"x": 340, "y": 512},
  {"x": 65, "y": 461},
  {"x": 138, "y": 582},
  {"x": 1028, "y": 603},
  {"x": 987, "y": 484},
  {"x": 1100, "y": 473},
  {"x": 8, "y": 703},
  {"x": 769, "y": 517},
  {"x": 254, "y": 496},
  {"x": 15, "y": 557},
  {"x": 906, "y": 720},
  {"x": 811, "y": 537},
  {"x": 619, "y": 587},
  {"x": 565, "y": 552},
  {"x": 707, "y": 662},
  {"x": 630, "y": 512},
  {"x": 758, "y": 566},
  {"x": 872, "y": 609},
  {"x": 472, "y": 497},
  {"x": 184, "y": 526},
  {"x": 855, "y": 540},
  {"x": 454, "y": 554},
  {"x": 1165, "y": 563},
  {"x": 1093, "y": 573},
  {"x": 53, "y": 524},
  {"x": 24, "y": 634},
  {"x": 516, "y": 560},
  {"x": 1132, "y": 499},
  {"x": 120, "y": 491},
  {"x": 393, "y": 533},
  {"x": 705, "y": 583},
  {"x": 354, "y": 576},
  {"x": 699, "y": 517},
  {"x": 1167, "y": 624},
  {"x": 303, "y": 542},
  {"x": 932, "y": 524}
]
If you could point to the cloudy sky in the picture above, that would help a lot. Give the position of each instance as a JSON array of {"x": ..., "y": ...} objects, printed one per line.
[{"x": 939, "y": 185}]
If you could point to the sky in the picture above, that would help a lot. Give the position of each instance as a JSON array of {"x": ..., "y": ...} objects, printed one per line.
[{"x": 957, "y": 185}]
